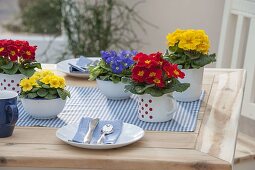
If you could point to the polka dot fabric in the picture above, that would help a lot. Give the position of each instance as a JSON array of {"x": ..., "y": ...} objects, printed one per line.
[{"x": 10, "y": 82}]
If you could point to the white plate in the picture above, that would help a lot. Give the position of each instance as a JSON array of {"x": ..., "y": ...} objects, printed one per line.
[
  {"x": 130, "y": 134},
  {"x": 64, "y": 67}
]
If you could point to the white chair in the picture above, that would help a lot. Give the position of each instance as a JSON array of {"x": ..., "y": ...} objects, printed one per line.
[
  {"x": 237, "y": 50},
  {"x": 237, "y": 46}
]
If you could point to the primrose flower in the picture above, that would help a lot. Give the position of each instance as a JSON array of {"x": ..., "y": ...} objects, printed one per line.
[{"x": 118, "y": 61}]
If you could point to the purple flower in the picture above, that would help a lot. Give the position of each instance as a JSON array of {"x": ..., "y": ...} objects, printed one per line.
[
  {"x": 117, "y": 68},
  {"x": 128, "y": 62},
  {"x": 118, "y": 61}
]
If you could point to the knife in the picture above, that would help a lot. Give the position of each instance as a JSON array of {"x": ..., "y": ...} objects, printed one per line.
[{"x": 92, "y": 125}]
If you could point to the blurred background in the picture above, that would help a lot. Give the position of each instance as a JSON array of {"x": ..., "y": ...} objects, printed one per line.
[{"x": 65, "y": 29}]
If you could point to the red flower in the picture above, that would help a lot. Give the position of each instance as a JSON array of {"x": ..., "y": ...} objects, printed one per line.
[
  {"x": 13, "y": 52},
  {"x": 3, "y": 49},
  {"x": 139, "y": 74},
  {"x": 139, "y": 55},
  {"x": 176, "y": 72},
  {"x": 21, "y": 43},
  {"x": 172, "y": 70},
  {"x": 146, "y": 61},
  {"x": 152, "y": 74},
  {"x": 153, "y": 69},
  {"x": 157, "y": 57},
  {"x": 28, "y": 52},
  {"x": 159, "y": 82}
]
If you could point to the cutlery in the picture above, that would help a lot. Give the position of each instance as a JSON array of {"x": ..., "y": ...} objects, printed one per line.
[
  {"x": 106, "y": 130},
  {"x": 92, "y": 125}
]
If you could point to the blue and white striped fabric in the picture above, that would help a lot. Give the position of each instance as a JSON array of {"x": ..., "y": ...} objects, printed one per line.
[{"x": 89, "y": 102}]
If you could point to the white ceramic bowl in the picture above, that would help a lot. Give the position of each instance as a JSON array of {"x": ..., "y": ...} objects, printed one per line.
[
  {"x": 114, "y": 91},
  {"x": 43, "y": 108}
]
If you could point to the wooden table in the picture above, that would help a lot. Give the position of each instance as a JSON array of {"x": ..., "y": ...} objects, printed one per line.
[{"x": 210, "y": 147}]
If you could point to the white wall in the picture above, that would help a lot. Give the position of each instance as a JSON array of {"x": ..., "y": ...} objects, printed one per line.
[{"x": 171, "y": 14}]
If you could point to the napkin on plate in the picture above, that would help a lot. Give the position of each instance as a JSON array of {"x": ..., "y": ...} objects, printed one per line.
[
  {"x": 109, "y": 139},
  {"x": 81, "y": 65}
]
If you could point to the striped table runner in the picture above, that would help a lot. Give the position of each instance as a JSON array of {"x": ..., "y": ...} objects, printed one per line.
[{"x": 87, "y": 101}]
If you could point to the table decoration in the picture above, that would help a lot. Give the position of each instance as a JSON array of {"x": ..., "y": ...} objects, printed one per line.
[
  {"x": 90, "y": 102},
  {"x": 153, "y": 79},
  {"x": 43, "y": 95},
  {"x": 110, "y": 71},
  {"x": 17, "y": 60},
  {"x": 189, "y": 49}
]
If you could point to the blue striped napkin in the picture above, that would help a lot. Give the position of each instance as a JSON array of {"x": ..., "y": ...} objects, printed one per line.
[
  {"x": 109, "y": 139},
  {"x": 90, "y": 102}
]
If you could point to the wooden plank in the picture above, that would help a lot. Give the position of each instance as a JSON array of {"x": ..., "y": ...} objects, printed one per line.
[
  {"x": 245, "y": 148},
  {"x": 151, "y": 138},
  {"x": 220, "y": 123},
  {"x": 125, "y": 158}
]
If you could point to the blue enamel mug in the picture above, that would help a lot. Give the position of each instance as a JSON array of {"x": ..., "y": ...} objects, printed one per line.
[{"x": 8, "y": 112}]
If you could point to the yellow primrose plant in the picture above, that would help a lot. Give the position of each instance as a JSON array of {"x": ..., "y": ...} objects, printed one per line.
[
  {"x": 189, "y": 48},
  {"x": 44, "y": 84}
]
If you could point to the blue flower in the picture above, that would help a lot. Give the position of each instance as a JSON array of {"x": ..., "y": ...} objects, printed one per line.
[
  {"x": 118, "y": 61},
  {"x": 117, "y": 67},
  {"x": 128, "y": 62}
]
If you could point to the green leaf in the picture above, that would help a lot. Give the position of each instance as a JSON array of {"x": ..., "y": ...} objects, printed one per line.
[
  {"x": 42, "y": 92},
  {"x": 35, "y": 89},
  {"x": 46, "y": 86},
  {"x": 67, "y": 93},
  {"x": 7, "y": 66},
  {"x": 33, "y": 65},
  {"x": 62, "y": 94},
  {"x": 13, "y": 70},
  {"x": 115, "y": 79},
  {"x": 204, "y": 60},
  {"x": 27, "y": 72},
  {"x": 154, "y": 92},
  {"x": 125, "y": 80},
  {"x": 95, "y": 72},
  {"x": 192, "y": 55},
  {"x": 39, "y": 83},
  {"x": 50, "y": 96},
  {"x": 32, "y": 95},
  {"x": 105, "y": 78},
  {"x": 177, "y": 86},
  {"x": 53, "y": 91},
  {"x": 139, "y": 89}
]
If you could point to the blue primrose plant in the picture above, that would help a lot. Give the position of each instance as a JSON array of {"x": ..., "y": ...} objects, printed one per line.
[{"x": 114, "y": 66}]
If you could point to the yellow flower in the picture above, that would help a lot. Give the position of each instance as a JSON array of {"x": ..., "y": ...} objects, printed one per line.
[
  {"x": 195, "y": 40},
  {"x": 62, "y": 82},
  {"x": 54, "y": 83},
  {"x": 37, "y": 75},
  {"x": 47, "y": 73},
  {"x": 26, "y": 85},
  {"x": 174, "y": 37},
  {"x": 33, "y": 81},
  {"x": 49, "y": 78},
  {"x": 46, "y": 79}
]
